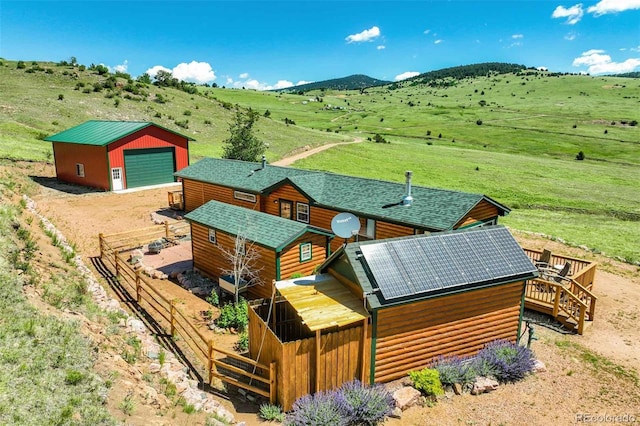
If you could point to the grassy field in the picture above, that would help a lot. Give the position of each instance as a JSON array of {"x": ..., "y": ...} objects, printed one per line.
[{"x": 512, "y": 137}]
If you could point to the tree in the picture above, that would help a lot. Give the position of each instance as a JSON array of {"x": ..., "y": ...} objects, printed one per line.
[
  {"x": 243, "y": 259},
  {"x": 242, "y": 144}
]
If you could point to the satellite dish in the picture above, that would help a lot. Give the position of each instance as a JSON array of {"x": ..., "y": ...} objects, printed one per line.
[{"x": 345, "y": 225}]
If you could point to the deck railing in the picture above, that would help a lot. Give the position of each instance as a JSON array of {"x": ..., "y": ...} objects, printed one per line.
[
  {"x": 166, "y": 313},
  {"x": 570, "y": 301}
]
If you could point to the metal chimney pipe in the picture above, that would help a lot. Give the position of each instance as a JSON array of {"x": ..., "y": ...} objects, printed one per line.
[
  {"x": 264, "y": 161},
  {"x": 407, "y": 199}
]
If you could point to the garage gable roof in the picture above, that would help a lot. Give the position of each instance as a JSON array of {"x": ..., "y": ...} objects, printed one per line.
[
  {"x": 432, "y": 209},
  {"x": 403, "y": 270},
  {"x": 263, "y": 229},
  {"x": 102, "y": 133}
]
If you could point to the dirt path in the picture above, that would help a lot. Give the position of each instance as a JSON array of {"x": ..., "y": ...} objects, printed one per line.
[{"x": 292, "y": 159}]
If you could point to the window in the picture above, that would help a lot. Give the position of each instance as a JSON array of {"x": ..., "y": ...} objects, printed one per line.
[
  {"x": 244, "y": 196},
  {"x": 212, "y": 236},
  {"x": 302, "y": 212},
  {"x": 369, "y": 230},
  {"x": 80, "y": 169},
  {"x": 421, "y": 232},
  {"x": 285, "y": 209},
  {"x": 305, "y": 252}
]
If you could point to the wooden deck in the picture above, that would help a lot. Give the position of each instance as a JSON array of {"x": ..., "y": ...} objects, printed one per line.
[{"x": 571, "y": 301}]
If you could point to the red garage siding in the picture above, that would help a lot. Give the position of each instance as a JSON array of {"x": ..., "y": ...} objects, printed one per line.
[
  {"x": 149, "y": 137},
  {"x": 93, "y": 158}
]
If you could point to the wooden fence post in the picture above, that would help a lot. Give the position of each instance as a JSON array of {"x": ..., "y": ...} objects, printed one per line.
[
  {"x": 556, "y": 302},
  {"x": 115, "y": 256},
  {"x": 138, "y": 296},
  {"x": 166, "y": 228},
  {"x": 101, "y": 238},
  {"x": 272, "y": 382},
  {"x": 173, "y": 318},
  {"x": 211, "y": 355}
]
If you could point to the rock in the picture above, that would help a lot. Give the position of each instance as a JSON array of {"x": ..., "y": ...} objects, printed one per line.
[
  {"x": 406, "y": 397},
  {"x": 182, "y": 386},
  {"x": 539, "y": 367},
  {"x": 457, "y": 388},
  {"x": 396, "y": 413},
  {"x": 484, "y": 384},
  {"x": 136, "y": 326},
  {"x": 154, "y": 367}
]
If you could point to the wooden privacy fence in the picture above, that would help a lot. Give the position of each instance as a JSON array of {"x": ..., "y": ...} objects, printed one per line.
[
  {"x": 307, "y": 364},
  {"x": 227, "y": 366}
]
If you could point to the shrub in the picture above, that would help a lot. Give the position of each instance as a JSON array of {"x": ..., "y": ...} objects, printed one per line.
[
  {"x": 61, "y": 97},
  {"x": 184, "y": 123},
  {"x": 21, "y": 65},
  {"x": 364, "y": 405},
  {"x": 427, "y": 381},
  {"x": 580, "y": 156},
  {"x": 454, "y": 369},
  {"x": 234, "y": 316},
  {"x": 187, "y": 112},
  {"x": 242, "y": 345},
  {"x": 319, "y": 410},
  {"x": 508, "y": 361},
  {"x": 479, "y": 122},
  {"x": 271, "y": 412}
]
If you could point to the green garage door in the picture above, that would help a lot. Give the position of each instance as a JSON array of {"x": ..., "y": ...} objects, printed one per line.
[{"x": 151, "y": 166}]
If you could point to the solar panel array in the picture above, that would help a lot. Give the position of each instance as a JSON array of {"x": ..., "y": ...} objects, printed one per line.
[{"x": 439, "y": 262}]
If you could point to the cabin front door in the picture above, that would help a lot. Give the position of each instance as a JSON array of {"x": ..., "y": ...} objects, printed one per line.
[
  {"x": 116, "y": 179},
  {"x": 286, "y": 209}
]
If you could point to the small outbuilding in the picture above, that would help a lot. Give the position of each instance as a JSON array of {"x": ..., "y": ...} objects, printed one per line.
[
  {"x": 281, "y": 248},
  {"x": 377, "y": 310},
  {"x": 116, "y": 155}
]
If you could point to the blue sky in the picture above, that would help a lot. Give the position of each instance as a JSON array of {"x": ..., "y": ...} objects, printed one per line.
[{"x": 269, "y": 44}]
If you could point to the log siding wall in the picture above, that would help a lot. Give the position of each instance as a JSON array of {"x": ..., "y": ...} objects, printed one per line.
[
  {"x": 483, "y": 211},
  {"x": 410, "y": 336}
]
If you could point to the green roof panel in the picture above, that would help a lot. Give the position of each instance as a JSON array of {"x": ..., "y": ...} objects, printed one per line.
[
  {"x": 262, "y": 228},
  {"x": 102, "y": 133}
]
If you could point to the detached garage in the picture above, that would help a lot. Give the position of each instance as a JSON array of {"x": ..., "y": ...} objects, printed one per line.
[{"x": 116, "y": 155}]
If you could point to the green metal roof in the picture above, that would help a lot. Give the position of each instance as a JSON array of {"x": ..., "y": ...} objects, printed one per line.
[
  {"x": 427, "y": 255},
  {"x": 261, "y": 228},
  {"x": 102, "y": 133},
  {"x": 432, "y": 209}
]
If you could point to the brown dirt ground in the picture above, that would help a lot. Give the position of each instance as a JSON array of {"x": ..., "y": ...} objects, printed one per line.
[{"x": 597, "y": 377}]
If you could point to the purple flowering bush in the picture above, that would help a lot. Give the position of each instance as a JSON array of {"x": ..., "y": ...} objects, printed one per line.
[
  {"x": 352, "y": 404},
  {"x": 455, "y": 369},
  {"x": 506, "y": 361}
]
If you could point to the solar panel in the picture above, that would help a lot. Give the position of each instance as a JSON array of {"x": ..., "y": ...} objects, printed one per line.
[{"x": 431, "y": 263}]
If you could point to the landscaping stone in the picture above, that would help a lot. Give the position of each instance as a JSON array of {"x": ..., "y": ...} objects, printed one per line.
[
  {"x": 539, "y": 367},
  {"x": 406, "y": 397},
  {"x": 484, "y": 384},
  {"x": 154, "y": 367},
  {"x": 457, "y": 388},
  {"x": 396, "y": 413}
]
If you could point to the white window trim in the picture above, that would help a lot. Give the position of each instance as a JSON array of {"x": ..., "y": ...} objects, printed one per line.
[
  {"x": 244, "y": 196},
  {"x": 212, "y": 236},
  {"x": 369, "y": 230},
  {"x": 303, "y": 249},
  {"x": 80, "y": 169},
  {"x": 298, "y": 212}
]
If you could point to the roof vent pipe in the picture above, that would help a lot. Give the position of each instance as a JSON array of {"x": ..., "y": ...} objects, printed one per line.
[
  {"x": 264, "y": 161},
  {"x": 407, "y": 199}
]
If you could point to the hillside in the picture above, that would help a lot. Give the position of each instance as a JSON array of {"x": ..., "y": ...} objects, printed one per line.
[
  {"x": 465, "y": 71},
  {"x": 45, "y": 98},
  {"x": 352, "y": 82}
]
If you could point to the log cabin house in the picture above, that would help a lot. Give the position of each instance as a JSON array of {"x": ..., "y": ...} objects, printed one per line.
[
  {"x": 385, "y": 209},
  {"x": 380, "y": 309},
  {"x": 116, "y": 155},
  {"x": 283, "y": 247}
]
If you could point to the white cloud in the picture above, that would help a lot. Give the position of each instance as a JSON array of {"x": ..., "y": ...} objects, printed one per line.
[
  {"x": 366, "y": 35},
  {"x": 613, "y": 6},
  {"x": 542, "y": 68},
  {"x": 598, "y": 62},
  {"x": 244, "y": 75},
  {"x": 517, "y": 36},
  {"x": 438, "y": 41},
  {"x": 427, "y": 31},
  {"x": 635, "y": 49},
  {"x": 281, "y": 84},
  {"x": 406, "y": 75},
  {"x": 196, "y": 72},
  {"x": 154, "y": 70},
  {"x": 229, "y": 80},
  {"x": 303, "y": 82},
  {"x": 122, "y": 67},
  {"x": 570, "y": 36},
  {"x": 381, "y": 47},
  {"x": 573, "y": 14}
]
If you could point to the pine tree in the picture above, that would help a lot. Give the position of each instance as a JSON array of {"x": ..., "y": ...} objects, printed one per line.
[{"x": 242, "y": 144}]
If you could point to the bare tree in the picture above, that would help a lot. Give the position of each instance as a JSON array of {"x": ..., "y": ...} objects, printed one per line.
[{"x": 243, "y": 259}]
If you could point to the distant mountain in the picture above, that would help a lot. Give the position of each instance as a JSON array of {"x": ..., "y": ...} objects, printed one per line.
[
  {"x": 474, "y": 70},
  {"x": 356, "y": 81}
]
